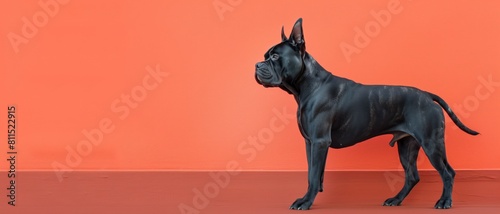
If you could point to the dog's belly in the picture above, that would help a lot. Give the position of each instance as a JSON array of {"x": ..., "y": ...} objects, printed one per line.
[
  {"x": 339, "y": 142},
  {"x": 372, "y": 111},
  {"x": 362, "y": 129}
]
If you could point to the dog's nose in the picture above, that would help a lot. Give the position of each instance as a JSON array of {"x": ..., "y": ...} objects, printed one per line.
[{"x": 259, "y": 65}]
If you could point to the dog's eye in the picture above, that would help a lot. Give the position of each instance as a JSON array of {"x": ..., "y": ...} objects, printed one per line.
[{"x": 275, "y": 57}]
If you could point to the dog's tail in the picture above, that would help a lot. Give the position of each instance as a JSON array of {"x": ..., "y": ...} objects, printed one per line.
[{"x": 452, "y": 115}]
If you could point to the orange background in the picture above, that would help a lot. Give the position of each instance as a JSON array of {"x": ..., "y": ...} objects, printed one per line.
[{"x": 67, "y": 77}]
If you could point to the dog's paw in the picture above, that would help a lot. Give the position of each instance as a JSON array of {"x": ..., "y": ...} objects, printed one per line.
[
  {"x": 443, "y": 203},
  {"x": 392, "y": 202},
  {"x": 301, "y": 204}
]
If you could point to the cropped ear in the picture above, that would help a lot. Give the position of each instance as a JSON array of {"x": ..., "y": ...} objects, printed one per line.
[
  {"x": 283, "y": 36},
  {"x": 297, "y": 36}
]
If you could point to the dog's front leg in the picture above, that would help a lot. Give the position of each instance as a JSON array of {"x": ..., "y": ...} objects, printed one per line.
[
  {"x": 316, "y": 156},
  {"x": 308, "y": 152}
]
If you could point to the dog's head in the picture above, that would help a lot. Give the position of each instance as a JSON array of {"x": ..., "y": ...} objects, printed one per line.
[{"x": 284, "y": 62}]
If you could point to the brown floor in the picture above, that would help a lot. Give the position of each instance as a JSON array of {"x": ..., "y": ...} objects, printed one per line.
[{"x": 247, "y": 192}]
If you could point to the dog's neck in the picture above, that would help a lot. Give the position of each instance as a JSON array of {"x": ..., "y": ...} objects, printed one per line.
[{"x": 312, "y": 78}]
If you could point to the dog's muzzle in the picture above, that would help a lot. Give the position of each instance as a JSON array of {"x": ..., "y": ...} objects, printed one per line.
[{"x": 264, "y": 76}]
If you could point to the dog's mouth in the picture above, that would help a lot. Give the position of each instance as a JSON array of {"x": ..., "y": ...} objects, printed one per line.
[
  {"x": 265, "y": 77},
  {"x": 258, "y": 80}
]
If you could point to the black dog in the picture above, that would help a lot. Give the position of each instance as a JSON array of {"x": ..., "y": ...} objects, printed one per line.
[{"x": 337, "y": 112}]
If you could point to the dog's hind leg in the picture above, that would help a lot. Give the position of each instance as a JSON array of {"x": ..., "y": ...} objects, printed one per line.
[
  {"x": 408, "y": 149},
  {"x": 435, "y": 151}
]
